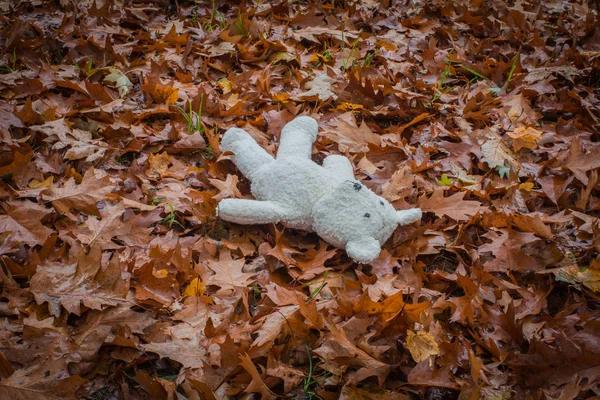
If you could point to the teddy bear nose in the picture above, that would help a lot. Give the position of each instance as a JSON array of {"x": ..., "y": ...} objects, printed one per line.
[{"x": 367, "y": 215}]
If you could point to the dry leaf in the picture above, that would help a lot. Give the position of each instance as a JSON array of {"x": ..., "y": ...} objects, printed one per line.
[
  {"x": 421, "y": 345},
  {"x": 83, "y": 197}
]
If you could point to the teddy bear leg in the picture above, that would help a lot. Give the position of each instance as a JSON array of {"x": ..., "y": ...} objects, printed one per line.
[
  {"x": 248, "y": 212},
  {"x": 297, "y": 138},
  {"x": 248, "y": 155},
  {"x": 339, "y": 166}
]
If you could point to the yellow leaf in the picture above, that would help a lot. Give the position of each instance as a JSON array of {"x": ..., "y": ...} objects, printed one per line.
[
  {"x": 165, "y": 95},
  {"x": 525, "y": 137},
  {"x": 421, "y": 345},
  {"x": 162, "y": 273},
  {"x": 225, "y": 85},
  {"x": 35, "y": 184},
  {"x": 281, "y": 97},
  {"x": 345, "y": 106},
  {"x": 574, "y": 275},
  {"x": 527, "y": 186},
  {"x": 159, "y": 164},
  {"x": 314, "y": 58},
  {"x": 195, "y": 288},
  {"x": 282, "y": 55}
]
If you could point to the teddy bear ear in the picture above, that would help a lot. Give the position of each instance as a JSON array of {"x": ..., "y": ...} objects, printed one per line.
[
  {"x": 406, "y": 217},
  {"x": 363, "y": 250}
]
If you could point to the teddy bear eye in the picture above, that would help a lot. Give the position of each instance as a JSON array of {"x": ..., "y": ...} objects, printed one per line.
[
  {"x": 357, "y": 187},
  {"x": 381, "y": 202},
  {"x": 367, "y": 215}
]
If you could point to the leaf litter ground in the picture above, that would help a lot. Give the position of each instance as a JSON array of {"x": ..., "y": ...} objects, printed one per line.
[{"x": 118, "y": 281}]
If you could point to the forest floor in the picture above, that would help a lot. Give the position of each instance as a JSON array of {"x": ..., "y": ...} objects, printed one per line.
[{"x": 119, "y": 282}]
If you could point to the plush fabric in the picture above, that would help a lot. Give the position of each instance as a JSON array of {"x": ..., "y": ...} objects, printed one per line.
[{"x": 296, "y": 191}]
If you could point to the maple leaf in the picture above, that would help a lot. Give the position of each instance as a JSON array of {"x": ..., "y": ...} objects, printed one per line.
[
  {"x": 93, "y": 188},
  {"x": 161, "y": 94},
  {"x": 228, "y": 273},
  {"x": 155, "y": 386},
  {"x": 312, "y": 262},
  {"x": 7, "y": 244},
  {"x": 312, "y": 32},
  {"x": 496, "y": 152},
  {"x": 453, "y": 206}
]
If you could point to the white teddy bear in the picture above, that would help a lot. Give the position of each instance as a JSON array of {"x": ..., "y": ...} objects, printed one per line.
[{"x": 296, "y": 191}]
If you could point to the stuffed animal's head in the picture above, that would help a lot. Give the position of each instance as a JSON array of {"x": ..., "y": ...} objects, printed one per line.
[{"x": 352, "y": 216}]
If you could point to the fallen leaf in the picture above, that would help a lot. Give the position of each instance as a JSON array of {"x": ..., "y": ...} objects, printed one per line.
[
  {"x": 453, "y": 206},
  {"x": 227, "y": 188},
  {"x": 319, "y": 88},
  {"x": 120, "y": 81},
  {"x": 351, "y": 137},
  {"x": 525, "y": 137},
  {"x": 506, "y": 248},
  {"x": 421, "y": 345},
  {"x": 79, "y": 142},
  {"x": 257, "y": 385},
  {"x": 228, "y": 273},
  {"x": 195, "y": 288},
  {"x": 79, "y": 282},
  {"x": 24, "y": 225},
  {"x": 158, "y": 165},
  {"x": 83, "y": 197}
]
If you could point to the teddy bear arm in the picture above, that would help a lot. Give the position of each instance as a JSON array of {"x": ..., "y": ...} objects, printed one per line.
[
  {"x": 248, "y": 212},
  {"x": 405, "y": 217},
  {"x": 339, "y": 166}
]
